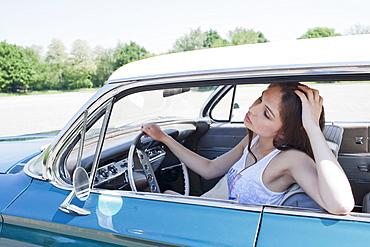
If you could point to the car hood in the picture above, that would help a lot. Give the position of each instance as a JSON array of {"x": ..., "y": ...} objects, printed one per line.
[{"x": 20, "y": 149}]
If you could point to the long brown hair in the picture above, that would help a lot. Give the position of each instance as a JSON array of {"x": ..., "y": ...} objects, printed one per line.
[{"x": 292, "y": 134}]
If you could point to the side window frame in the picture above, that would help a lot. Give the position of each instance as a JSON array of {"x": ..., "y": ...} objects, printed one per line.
[
  {"x": 208, "y": 109},
  {"x": 77, "y": 136}
]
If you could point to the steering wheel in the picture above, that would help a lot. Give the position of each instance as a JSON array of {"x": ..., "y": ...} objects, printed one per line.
[{"x": 137, "y": 153}]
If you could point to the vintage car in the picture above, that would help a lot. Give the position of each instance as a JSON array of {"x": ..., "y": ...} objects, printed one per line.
[{"x": 100, "y": 181}]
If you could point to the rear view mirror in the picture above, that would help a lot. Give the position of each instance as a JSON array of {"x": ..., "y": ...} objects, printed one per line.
[{"x": 174, "y": 91}]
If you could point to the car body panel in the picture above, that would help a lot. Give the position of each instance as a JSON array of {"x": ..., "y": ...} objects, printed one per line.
[
  {"x": 131, "y": 217},
  {"x": 20, "y": 149},
  {"x": 12, "y": 185},
  {"x": 310, "y": 231}
]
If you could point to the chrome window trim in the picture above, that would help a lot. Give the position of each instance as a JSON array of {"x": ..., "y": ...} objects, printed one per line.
[
  {"x": 192, "y": 200},
  {"x": 52, "y": 171},
  {"x": 255, "y": 72}
]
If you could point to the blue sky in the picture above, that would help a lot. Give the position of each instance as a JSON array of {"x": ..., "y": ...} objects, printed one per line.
[{"x": 157, "y": 24}]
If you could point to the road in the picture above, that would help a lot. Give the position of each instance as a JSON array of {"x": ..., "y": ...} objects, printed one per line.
[
  {"x": 26, "y": 114},
  {"x": 39, "y": 113}
]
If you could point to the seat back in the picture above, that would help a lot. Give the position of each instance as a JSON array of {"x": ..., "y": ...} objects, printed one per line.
[
  {"x": 295, "y": 196},
  {"x": 333, "y": 135}
]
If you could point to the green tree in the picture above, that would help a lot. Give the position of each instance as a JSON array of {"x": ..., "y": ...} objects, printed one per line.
[
  {"x": 36, "y": 61},
  {"x": 16, "y": 73},
  {"x": 213, "y": 39},
  {"x": 319, "y": 32},
  {"x": 104, "y": 59},
  {"x": 195, "y": 40},
  {"x": 127, "y": 53},
  {"x": 241, "y": 36},
  {"x": 57, "y": 59}
]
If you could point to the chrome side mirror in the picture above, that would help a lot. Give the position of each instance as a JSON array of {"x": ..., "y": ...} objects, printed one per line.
[
  {"x": 81, "y": 190},
  {"x": 81, "y": 184}
]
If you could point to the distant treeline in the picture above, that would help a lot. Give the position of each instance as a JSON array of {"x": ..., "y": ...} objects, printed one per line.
[{"x": 29, "y": 69}]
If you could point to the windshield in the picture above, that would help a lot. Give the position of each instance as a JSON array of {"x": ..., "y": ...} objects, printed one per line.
[{"x": 158, "y": 106}]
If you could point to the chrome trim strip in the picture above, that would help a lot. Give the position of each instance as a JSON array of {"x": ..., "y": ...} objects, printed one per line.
[
  {"x": 99, "y": 145},
  {"x": 27, "y": 170},
  {"x": 353, "y": 216},
  {"x": 193, "y": 200},
  {"x": 255, "y": 72}
]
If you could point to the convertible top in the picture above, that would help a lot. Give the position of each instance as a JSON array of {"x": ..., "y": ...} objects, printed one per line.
[{"x": 328, "y": 52}]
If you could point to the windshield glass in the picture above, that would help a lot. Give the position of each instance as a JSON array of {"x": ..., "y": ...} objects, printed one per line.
[{"x": 158, "y": 106}]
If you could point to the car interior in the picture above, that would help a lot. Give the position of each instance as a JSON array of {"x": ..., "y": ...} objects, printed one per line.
[{"x": 216, "y": 131}]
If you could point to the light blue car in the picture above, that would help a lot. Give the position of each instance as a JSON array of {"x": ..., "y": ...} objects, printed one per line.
[{"x": 99, "y": 181}]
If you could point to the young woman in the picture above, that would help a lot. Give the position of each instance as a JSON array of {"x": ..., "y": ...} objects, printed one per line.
[{"x": 285, "y": 145}]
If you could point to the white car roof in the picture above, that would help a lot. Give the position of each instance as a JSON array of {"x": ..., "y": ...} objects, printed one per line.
[{"x": 294, "y": 54}]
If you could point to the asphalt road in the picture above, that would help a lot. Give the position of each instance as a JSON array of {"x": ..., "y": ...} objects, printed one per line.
[
  {"x": 39, "y": 113},
  {"x": 27, "y": 114}
]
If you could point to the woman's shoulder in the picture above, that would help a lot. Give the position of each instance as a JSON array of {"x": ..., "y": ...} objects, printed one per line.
[{"x": 293, "y": 157}]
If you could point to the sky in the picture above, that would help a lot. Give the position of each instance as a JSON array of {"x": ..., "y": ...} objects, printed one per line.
[{"x": 156, "y": 24}]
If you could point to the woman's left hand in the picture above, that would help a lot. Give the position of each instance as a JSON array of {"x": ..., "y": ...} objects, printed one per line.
[{"x": 311, "y": 106}]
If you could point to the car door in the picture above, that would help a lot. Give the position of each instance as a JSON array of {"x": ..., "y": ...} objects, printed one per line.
[
  {"x": 126, "y": 218},
  {"x": 294, "y": 227}
]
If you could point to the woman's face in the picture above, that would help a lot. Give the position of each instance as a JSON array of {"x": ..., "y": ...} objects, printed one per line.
[{"x": 263, "y": 117}]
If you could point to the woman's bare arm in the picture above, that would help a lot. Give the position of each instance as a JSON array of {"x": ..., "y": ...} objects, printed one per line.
[
  {"x": 206, "y": 168},
  {"x": 328, "y": 184}
]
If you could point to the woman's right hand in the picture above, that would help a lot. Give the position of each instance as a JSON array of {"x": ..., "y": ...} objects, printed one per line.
[{"x": 154, "y": 131}]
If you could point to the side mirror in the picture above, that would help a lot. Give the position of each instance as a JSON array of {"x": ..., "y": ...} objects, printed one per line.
[
  {"x": 236, "y": 110},
  {"x": 81, "y": 184},
  {"x": 81, "y": 189}
]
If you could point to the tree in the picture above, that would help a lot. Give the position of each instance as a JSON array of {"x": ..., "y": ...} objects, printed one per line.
[
  {"x": 319, "y": 32},
  {"x": 16, "y": 72},
  {"x": 213, "y": 39},
  {"x": 125, "y": 54},
  {"x": 195, "y": 40},
  {"x": 104, "y": 59},
  {"x": 81, "y": 67},
  {"x": 56, "y": 58},
  {"x": 241, "y": 36},
  {"x": 358, "y": 29},
  {"x": 37, "y": 63}
]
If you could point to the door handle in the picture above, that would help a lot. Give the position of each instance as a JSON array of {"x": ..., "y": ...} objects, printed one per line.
[
  {"x": 359, "y": 140},
  {"x": 364, "y": 168}
]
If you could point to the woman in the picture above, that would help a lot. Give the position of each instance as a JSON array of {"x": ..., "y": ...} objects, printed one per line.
[{"x": 285, "y": 145}]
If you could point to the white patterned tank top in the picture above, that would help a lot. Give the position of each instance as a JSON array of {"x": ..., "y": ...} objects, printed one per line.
[{"x": 246, "y": 185}]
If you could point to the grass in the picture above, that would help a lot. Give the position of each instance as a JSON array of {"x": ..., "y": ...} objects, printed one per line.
[{"x": 49, "y": 92}]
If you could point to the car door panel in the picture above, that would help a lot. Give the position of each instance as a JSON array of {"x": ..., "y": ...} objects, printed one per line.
[
  {"x": 220, "y": 138},
  {"x": 354, "y": 157},
  {"x": 355, "y": 138},
  {"x": 129, "y": 218},
  {"x": 302, "y": 229}
]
